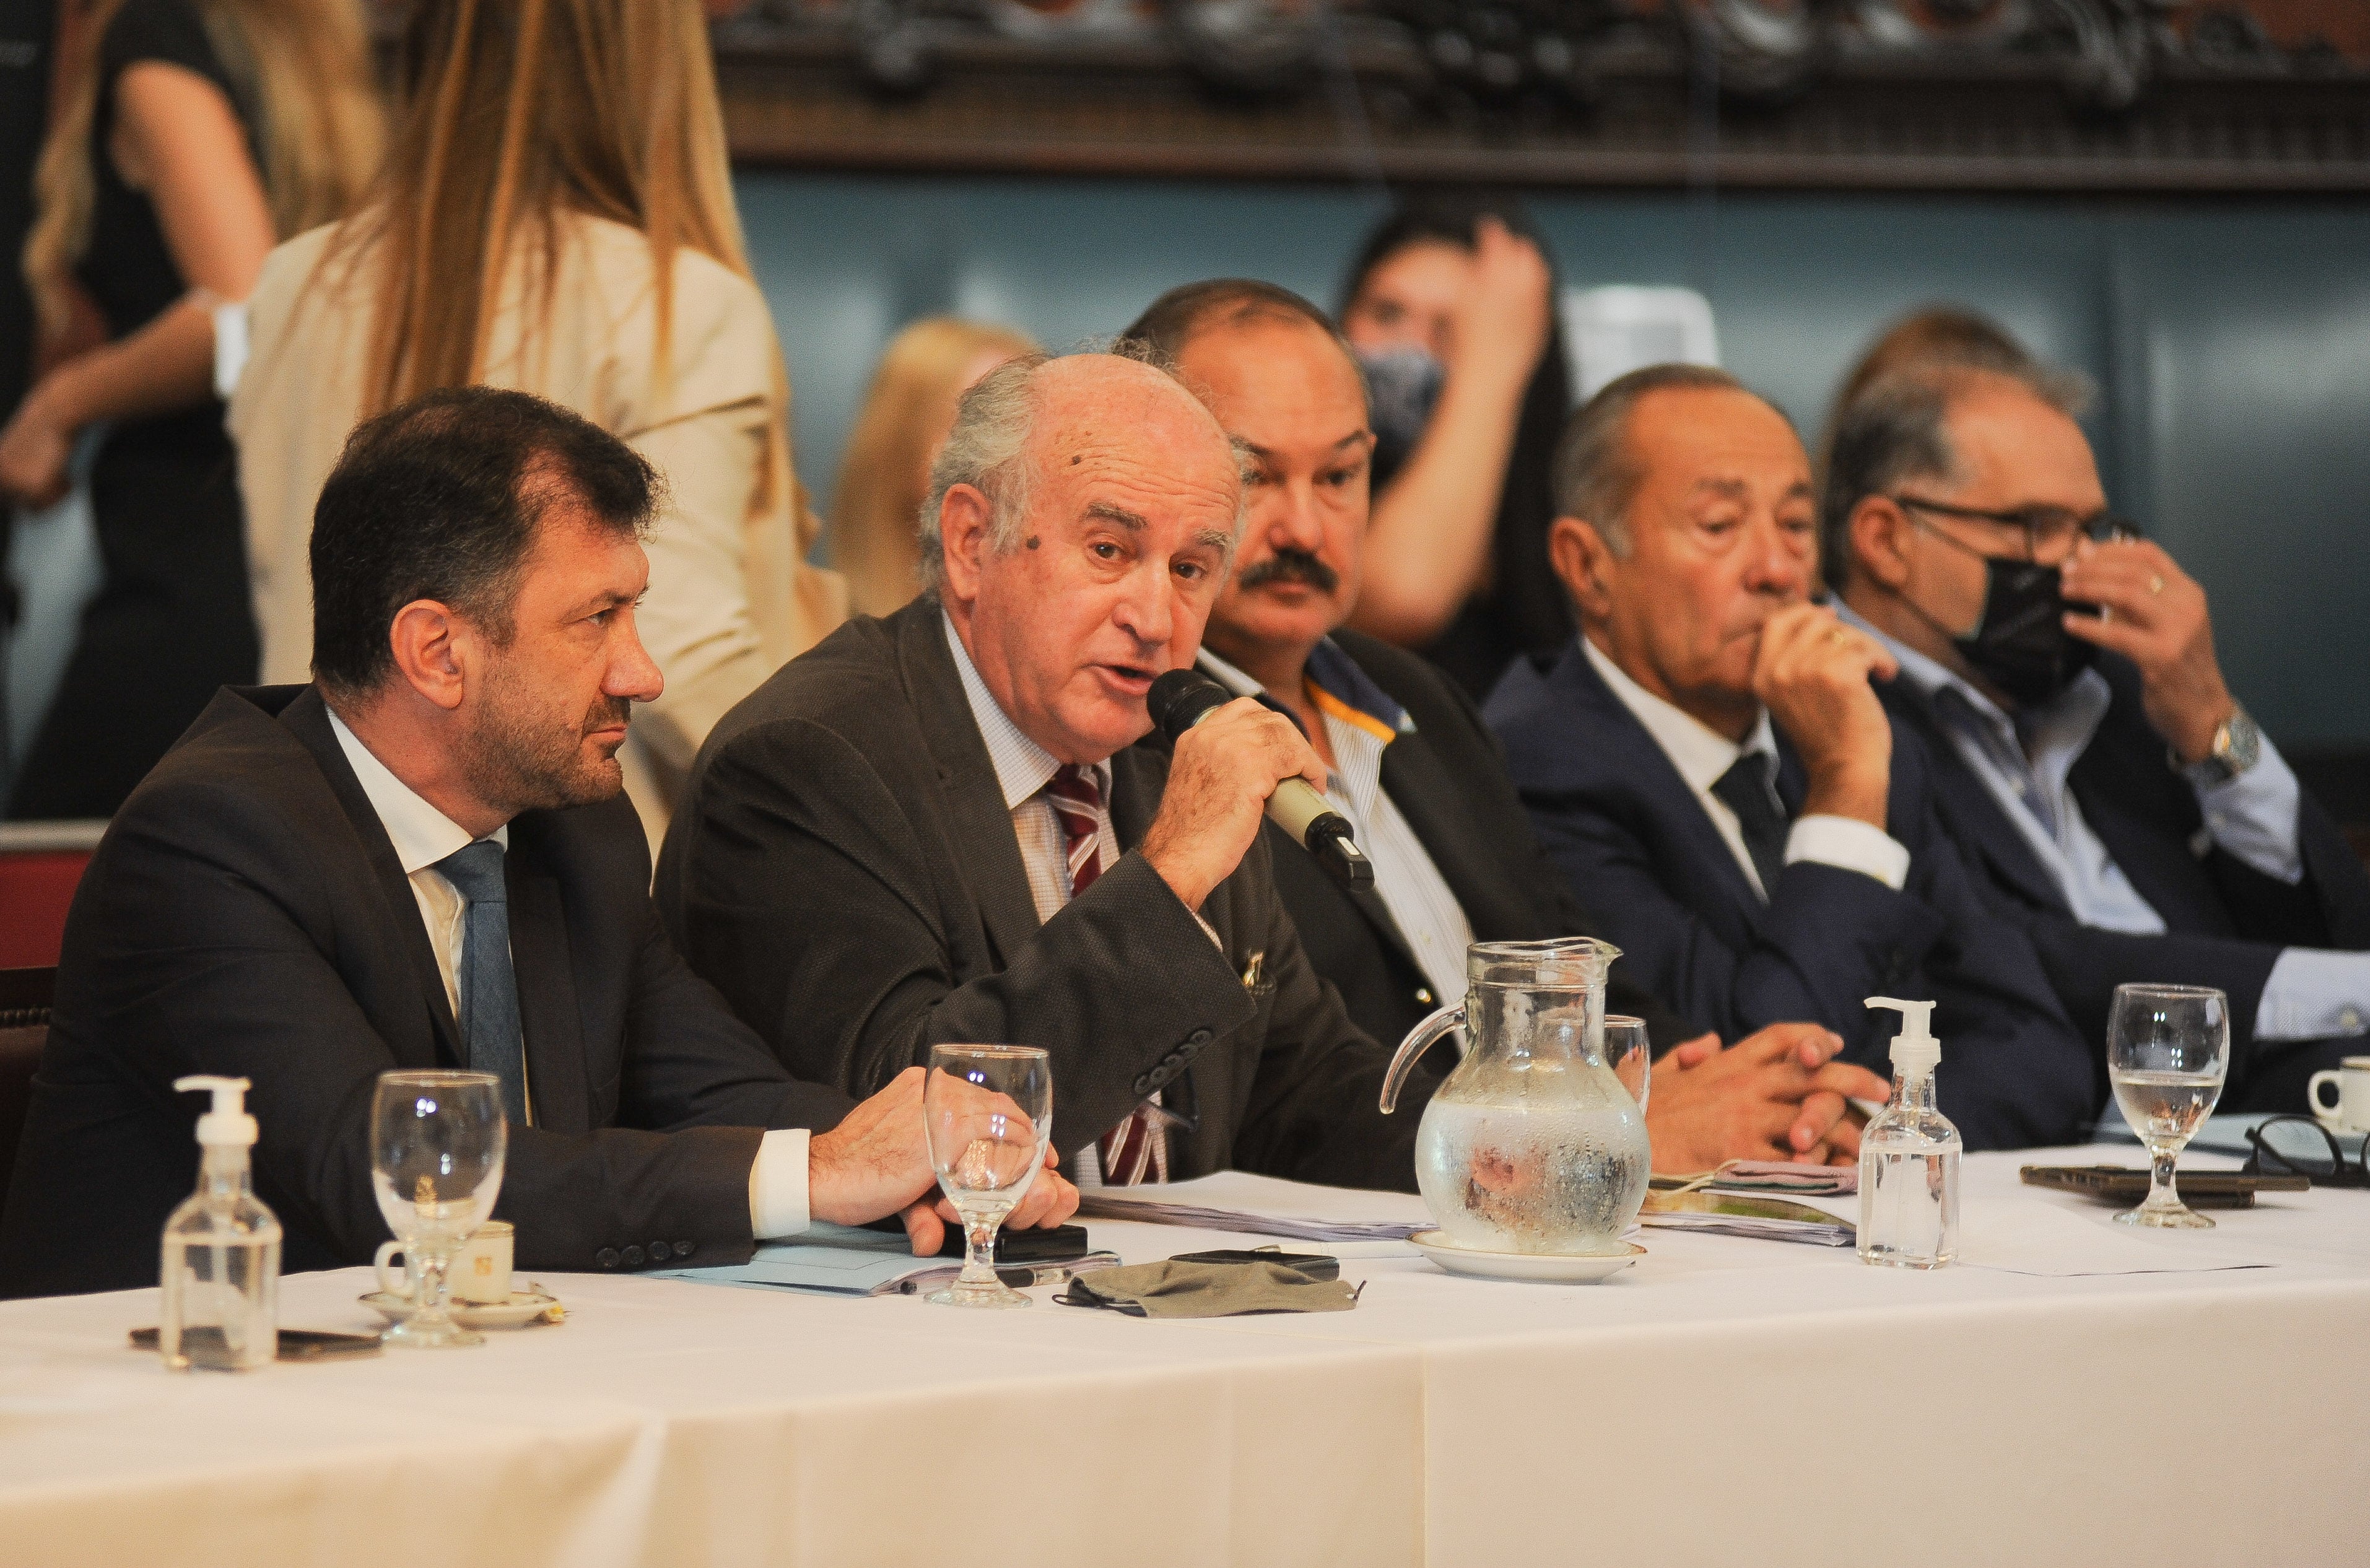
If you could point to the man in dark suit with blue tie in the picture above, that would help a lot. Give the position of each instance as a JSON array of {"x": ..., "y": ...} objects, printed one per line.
[
  {"x": 1711, "y": 767},
  {"x": 2096, "y": 771},
  {"x": 424, "y": 859}
]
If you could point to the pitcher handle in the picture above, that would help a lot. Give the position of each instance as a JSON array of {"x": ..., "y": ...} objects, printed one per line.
[{"x": 1412, "y": 1050}]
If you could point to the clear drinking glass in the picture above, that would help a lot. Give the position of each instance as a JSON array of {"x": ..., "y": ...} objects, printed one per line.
[
  {"x": 989, "y": 1110},
  {"x": 1629, "y": 1055},
  {"x": 2168, "y": 1050},
  {"x": 437, "y": 1144}
]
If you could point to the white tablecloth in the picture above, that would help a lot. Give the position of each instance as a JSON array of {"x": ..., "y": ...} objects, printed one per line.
[{"x": 1726, "y": 1401}]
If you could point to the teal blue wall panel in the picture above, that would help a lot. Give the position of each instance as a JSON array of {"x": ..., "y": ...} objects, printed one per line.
[{"x": 2230, "y": 340}]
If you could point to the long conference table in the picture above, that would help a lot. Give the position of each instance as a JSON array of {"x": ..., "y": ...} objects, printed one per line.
[{"x": 1724, "y": 1401}]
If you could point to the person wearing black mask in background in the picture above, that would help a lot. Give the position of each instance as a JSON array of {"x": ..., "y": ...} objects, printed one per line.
[
  {"x": 1450, "y": 307},
  {"x": 2090, "y": 759}
]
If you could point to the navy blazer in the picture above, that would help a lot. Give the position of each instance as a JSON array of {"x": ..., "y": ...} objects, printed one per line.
[
  {"x": 2225, "y": 922},
  {"x": 1641, "y": 851},
  {"x": 245, "y": 915}
]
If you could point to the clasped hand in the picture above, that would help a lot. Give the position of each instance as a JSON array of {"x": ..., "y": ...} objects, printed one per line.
[{"x": 1778, "y": 1094}]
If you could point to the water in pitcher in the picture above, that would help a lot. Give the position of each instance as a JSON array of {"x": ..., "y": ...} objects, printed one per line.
[
  {"x": 1565, "y": 1178},
  {"x": 1531, "y": 1145}
]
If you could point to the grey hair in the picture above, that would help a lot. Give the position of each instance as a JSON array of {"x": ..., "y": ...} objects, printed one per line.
[
  {"x": 1898, "y": 430},
  {"x": 989, "y": 450},
  {"x": 1596, "y": 474}
]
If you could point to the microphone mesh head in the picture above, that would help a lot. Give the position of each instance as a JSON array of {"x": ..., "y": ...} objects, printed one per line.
[{"x": 1179, "y": 698}]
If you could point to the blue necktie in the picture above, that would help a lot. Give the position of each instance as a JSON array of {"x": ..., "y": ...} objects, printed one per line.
[{"x": 489, "y": 1015}]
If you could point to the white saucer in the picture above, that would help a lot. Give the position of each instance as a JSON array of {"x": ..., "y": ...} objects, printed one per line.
[
  {"x": 524, "y": 1306},
  {"x": 1586, "y": 1268}
]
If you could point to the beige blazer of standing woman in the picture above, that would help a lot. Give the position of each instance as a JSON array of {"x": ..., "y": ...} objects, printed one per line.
[{"x": 731, "y": 595}]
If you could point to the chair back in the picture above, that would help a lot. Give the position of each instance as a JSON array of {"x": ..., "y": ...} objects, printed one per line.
[
  {"x": 41, "y": 865},
  {"x": 23, "y": 1029}
]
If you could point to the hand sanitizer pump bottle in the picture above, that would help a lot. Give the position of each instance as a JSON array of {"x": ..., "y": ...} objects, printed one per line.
[
  {"x": 1909, "y": 1156},
  {"x": 221, "y": 1274}
]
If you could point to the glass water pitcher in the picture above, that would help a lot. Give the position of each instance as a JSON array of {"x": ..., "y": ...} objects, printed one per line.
[{"x": 1532, "y": 1145}]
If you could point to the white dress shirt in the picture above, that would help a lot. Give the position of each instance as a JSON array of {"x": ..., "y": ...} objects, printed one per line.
[
  {"x": 1023, "y": 769},
  {"x": 422, "y": 836},
  {"x": 2311, "y": 993},
  {"x": 1421, "y": 905},
  {"x": 1702, "y": 755}
]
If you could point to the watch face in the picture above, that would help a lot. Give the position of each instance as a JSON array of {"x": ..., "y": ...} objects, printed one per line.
[{"x": 2242, "y": 743}]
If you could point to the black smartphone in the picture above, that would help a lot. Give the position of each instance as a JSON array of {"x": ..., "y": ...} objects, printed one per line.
[
  {"x": 295, "y": 1344},
  {"x": 1060, "y": 1244},
  {"x": 1315, "y": 1266}
]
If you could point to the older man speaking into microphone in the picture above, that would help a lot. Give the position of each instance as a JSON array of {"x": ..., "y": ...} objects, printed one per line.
[{"x": 958, "y": 823}]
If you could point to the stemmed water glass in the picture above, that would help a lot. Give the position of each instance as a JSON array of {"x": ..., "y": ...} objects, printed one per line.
[
  {"x": 2168, "y": 1051},
  {"x": 1629, "y": 1055},
  {"x": 438, "y": 1140},
  {"x": 989, "y": 1110}
]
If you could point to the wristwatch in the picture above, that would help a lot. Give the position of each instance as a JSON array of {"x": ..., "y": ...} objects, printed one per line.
[{"x": 2238, "y": 746}]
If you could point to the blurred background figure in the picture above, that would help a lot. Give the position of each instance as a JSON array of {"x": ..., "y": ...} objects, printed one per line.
[
  {"x": 908, "y": 411},
  {"x": 187, "y": 136},
  {"x": 556, "y": 217},
  {"x": 1451, "y": 308},
  {"x": 1943, "y": 337}
]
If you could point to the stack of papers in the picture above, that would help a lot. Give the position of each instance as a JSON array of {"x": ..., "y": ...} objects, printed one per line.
[
  {"x": 1761, "y": 1219},
  {"x": 1263, "y": 1206}
]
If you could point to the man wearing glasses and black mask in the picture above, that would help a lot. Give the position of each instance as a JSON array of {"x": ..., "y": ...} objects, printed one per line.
[{"x": 2090, "y": 759}]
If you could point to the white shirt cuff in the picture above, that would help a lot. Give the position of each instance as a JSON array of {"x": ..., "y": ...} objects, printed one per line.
[
  {"x": 1850, "y": 843},
  {"x": 2253, "y": 817},
  {"x": 777, "y": 1186},
  {"x": 2313, "y": 993}
]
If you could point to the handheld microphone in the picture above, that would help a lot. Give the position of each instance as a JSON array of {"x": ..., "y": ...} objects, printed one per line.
[{"x": 1182, "y": 698}]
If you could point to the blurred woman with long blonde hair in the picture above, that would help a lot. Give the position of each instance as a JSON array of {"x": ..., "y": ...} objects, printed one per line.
[
  {"x": 907, "y": 412},
  {"x": 556, "y": 217},
  {"x": 192, "y": 135}
]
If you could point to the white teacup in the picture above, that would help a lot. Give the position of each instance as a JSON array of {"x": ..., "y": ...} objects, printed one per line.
[
  {"x": 481, "y": 1271},
  {"x": 2350, "y": 1114}
]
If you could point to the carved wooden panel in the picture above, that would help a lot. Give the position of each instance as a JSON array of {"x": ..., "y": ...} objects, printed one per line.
[{"x": 2029, "y": 95}]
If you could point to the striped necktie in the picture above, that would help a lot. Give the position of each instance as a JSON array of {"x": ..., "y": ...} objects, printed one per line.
[{"x": 1134, "y": 1150}]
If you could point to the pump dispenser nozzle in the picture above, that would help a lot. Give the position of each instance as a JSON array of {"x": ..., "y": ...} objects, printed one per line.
[
  {"x": 1916, "y": 1052},
  {"x": 227, "y": 1123}
]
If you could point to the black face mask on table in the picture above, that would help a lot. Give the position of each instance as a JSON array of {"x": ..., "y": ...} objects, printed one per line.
[{"x": 2020, "y": 644}]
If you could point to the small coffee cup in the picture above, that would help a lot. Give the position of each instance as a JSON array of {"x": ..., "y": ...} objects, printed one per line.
[
  {"x": 2350, "y": 1112},
  {"x": 481, "y": 1272}
]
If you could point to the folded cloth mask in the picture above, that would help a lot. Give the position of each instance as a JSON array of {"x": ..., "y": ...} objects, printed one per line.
[{"x": 1207, "y": 1291}]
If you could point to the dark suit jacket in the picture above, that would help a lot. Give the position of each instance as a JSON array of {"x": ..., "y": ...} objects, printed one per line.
[
  {"x": 2225, "y": 922},
  {"x": 1635, "y": 842},
  {"x": 844, "y": 869},
  {"x": 1448, "y": 779},
  {"x": 245, "y": 915}
]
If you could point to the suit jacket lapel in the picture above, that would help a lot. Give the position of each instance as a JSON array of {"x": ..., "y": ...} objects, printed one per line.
[
  {"x": 553, "y": 1029},
  {"x": 1970, "y": 809},
  {"x": 976, "y": 816},
  {"x": 308, "y": 718},
  {"x": 1658, "y": 777}
]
